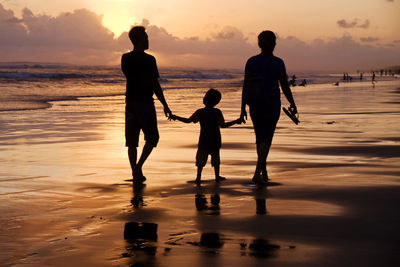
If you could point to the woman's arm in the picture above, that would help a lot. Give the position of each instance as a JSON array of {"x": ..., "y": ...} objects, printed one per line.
[
  {"x": 286, "y": 91},
  {"x": 243, "y": 113}
]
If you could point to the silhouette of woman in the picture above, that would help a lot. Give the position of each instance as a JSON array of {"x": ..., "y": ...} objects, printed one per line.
[{"x": 261, "y": 93}]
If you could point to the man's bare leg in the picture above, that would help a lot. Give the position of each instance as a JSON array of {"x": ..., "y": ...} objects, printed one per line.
[
  {"x": 145, "y": 154},
  {"x": 132, "y": 155}
]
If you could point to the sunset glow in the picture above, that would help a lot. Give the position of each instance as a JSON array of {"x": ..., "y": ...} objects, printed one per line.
[{"x": 368, "y": 29}]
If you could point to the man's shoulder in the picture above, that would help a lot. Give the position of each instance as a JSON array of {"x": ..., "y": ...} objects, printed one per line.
[
  {"x": 127, "y": 54},
  {"x": 263, "y": 57},
  {"x": 277, "y": 59},
  {"x": 135, "y": 54},
  {"x": 252, "y": 59}
]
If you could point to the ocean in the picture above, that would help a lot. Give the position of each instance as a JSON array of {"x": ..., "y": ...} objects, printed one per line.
[{"x": 26, "y": 86}]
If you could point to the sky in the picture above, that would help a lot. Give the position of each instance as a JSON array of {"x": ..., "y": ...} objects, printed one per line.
[{"x": 312, "y": 34}]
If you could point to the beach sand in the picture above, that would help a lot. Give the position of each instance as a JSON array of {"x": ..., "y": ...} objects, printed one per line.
[{"x": 66, "y": 198}]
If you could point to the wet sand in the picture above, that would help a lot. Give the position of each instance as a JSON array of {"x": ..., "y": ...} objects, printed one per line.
[{"x": 333, "y": 197}]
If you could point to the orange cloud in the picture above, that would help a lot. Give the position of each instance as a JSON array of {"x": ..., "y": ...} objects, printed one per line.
[
  {"x": 353, "y": 24},
  {"x": 79, "y": 37}
]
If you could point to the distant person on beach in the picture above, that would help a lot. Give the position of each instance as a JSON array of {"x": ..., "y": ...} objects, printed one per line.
[
  {"x": 142, "y": 75},
  {"x": 261, "y": 93},
  {"x": 292, "y": 82},
  {"x": 211, "y": 120},
  {"x": 303, "y": 83}
]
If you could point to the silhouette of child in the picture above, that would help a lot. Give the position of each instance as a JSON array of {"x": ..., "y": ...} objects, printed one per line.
[{"x": 211, "y": 120}]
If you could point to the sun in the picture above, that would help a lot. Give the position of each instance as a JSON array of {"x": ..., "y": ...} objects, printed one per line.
[{"x": 118, "y": 16}]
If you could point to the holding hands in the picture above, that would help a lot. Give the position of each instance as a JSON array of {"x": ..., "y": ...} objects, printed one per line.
[
  {"x": 167, "y": 111},
  {"x": 172, "y": 117},
  {"x": 240, "y": 120}
]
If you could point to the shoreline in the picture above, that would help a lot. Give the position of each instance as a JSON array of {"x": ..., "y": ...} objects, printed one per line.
[{"x": 46, "y": 103}]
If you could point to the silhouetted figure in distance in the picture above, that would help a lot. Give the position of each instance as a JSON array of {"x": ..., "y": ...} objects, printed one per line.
[
  {"x": 292, "y": 82},
  {"x": 261, "y": 93},
  {"x": 211, "y": 120},
  {"x": 142, "y": 82}
]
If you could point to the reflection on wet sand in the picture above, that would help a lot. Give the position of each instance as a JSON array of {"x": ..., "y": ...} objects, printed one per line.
[
  {"x": 142, "y": 243},
  {"x": 260, "y": 194},
  {"x": 201, "y": 202},
  {"x": 141, "y": 236},
  {"x": 213, "y": 241},
  {"x": 137, "y": 198},
  {"x": 263, "y": 248}
]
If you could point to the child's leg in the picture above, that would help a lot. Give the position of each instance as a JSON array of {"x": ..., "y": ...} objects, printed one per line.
[
  {"x": 199, "y": 170},
  {"x": 215, "y": 162},
  {"x": 201, "y": 159}
]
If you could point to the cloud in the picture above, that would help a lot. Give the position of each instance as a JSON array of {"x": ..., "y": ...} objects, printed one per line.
[
  {"x": 355, "y": 23},
  {"x": 229, "y": 33},
  {"x": 76, "y": 37},
  {"x": 226, "y": 48},
  {"x": 79, "y": 37},
  {"x": 338, "y": 53},
  {"x": 344, "y": 24},
  {"x": 364, "y": 25},
  {"x": 369, "y": 39}
]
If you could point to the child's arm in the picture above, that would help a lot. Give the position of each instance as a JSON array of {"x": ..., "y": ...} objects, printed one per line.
[
  {"x": 230, "y": 123},
  {"x": 182, "y": 119},
  {"x": 224, "y": 124},
  {"x": 193, "y": 118}
]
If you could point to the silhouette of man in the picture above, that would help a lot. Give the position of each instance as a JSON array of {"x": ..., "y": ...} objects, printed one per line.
[
  {"x": 142, "y": 75},
  {"x": 261, "y": 93}
]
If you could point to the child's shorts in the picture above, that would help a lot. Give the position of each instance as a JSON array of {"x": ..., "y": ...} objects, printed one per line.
[{"x": 202, "y": 155}]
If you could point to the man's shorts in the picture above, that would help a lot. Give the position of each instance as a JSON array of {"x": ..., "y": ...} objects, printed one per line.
[
  {"x": 265, "y": 118},
  {"x": 140, "y": 116},
  {"x": 202, "y": 155}
]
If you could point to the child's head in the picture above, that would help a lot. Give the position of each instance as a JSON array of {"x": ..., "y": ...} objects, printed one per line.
[{"x": 212, "y": 98}]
